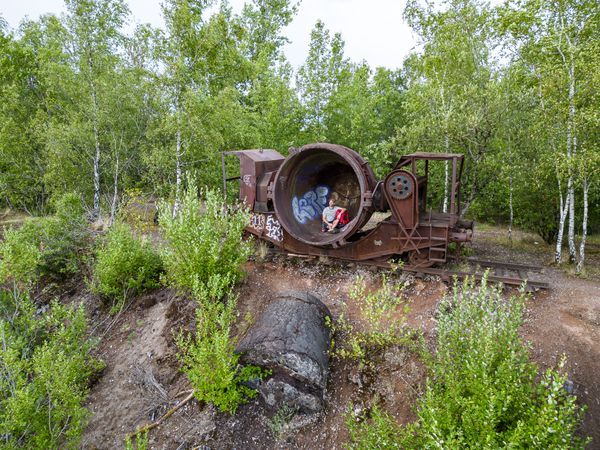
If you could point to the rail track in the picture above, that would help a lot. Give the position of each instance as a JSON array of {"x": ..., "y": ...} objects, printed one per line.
[{"x": 507, "y": 273}]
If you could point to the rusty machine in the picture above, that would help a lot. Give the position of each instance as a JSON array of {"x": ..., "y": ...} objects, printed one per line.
[{"x": 286, "y": 197}]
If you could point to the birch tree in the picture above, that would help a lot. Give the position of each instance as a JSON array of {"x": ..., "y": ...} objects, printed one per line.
[
  {"x": 557, "y": 36},
  {"x": 94, "y": 27},
  {"x": 451, "y": 95},
  {"x": 319, "y": 77}
]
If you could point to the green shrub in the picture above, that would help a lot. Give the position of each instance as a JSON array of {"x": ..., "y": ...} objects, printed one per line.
[
  {"x": 201, "y": 244},
  {"x": 48, "y": 247},
  {"x": 125, "y": 264},
  {"x": 208, "y": 356},
  {"x": 384, "y": 316},
  {"x": 376, "y": 430},
  {"x": 44, "y": 371},
  {"x": 482, "y": 392},
  {"x": 20, "y": 254}
]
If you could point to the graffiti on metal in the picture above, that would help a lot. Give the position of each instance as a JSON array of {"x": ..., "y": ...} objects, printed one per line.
[
  {"x": 257, "y": 221},
  {"x": 247, "y": 179},
  {"x": 273, "y": 229},
  {"x": 310, "y": 206}
]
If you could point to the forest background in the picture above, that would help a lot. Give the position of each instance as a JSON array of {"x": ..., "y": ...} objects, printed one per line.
[{"x": 86, "y": 107}]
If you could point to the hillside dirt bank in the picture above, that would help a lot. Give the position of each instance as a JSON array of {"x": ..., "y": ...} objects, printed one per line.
[{"x": 142, "y": 381}]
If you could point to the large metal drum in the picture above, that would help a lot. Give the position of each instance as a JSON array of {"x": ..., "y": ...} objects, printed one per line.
[{"x": 309, "y": 178}]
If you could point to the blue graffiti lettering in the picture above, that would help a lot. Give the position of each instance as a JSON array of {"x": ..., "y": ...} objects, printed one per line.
[{"x": 310, "y": 205}]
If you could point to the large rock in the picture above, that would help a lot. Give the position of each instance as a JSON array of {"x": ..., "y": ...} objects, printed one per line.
[{"x": 292, "y": 340}]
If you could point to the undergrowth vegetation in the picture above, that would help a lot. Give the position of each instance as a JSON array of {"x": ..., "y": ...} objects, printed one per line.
[
  {"x": 203, "y": 239},
  {"x": 208, "y": 355},
  {"x": 203, "y": 257},
  {"x": 482, "y": 390},
  {"x": 52, "y": 248},
  {"x": 44, "y": 371},
  {"x": 373, "y": 431},
  {"x": 383, "y": 312},
  {"x": 125, "y": 264}
]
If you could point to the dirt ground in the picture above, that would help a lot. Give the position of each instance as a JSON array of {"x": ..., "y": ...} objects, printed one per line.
[{"x": 141, "y": 379}]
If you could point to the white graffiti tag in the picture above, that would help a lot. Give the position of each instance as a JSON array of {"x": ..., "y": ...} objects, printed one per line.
[
  {"x": 247, "y": 179},
  {"x": 257, "y": 221},
  {"x": 273, "y": 228},
  {"x": 310, "y": 205}
]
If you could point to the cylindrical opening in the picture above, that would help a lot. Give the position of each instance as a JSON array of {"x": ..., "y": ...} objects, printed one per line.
[{"x": 308, "y": 179}]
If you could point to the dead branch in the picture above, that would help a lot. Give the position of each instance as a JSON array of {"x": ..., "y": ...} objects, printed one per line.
[{"x": 168, "y": 414}]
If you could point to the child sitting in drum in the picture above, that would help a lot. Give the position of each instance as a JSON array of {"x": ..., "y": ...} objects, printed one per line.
[{"x": 334, "y": 217}]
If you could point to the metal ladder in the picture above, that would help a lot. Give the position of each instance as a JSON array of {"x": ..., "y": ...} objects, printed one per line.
[{"x": 438, "y": 250}]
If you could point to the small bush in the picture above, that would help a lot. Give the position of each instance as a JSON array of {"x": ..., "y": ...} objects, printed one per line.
[
  {"x": 208, "y": 356},
  {"x": 384, "y": 314},
  {"x": 376, "y": 430},
  {"x": 202, "y": 244},
  {"x": 44, "y": 371},
  {"x": 20, "y": 254},
  {"x": 47, "y": 247},
  {"x": 482, "y": 391},
  {"x": 125, "y": 264}
]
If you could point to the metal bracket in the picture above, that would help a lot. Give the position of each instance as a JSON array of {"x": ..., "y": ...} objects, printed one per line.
[{"x": 367, "y": 198}]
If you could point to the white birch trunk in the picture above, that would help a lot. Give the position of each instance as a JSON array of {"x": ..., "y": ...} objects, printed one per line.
[
  {"x": 564, "y": 207},
  {"x": 571, "y": 228},
  {"x": 445, "y": 206},
  {"x": 446, "y": 142},
  {"x": 581, "y": 261},
  {"x": 510, "y": 207},
  {"x": 113, "y": 207},
  {"x": 177, "y": 173},
  {"x": 96, "y": 210},
  {"x": 510, "y": 191},
  {"x": 571, "y": 150},
  {"x": 96, "y": 207}
]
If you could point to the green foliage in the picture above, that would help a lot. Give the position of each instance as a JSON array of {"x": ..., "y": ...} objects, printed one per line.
[
  {"x": 375, "y": 430},
  {"x": 203, "y": 239},
  {"x": 125, "y": 264},
  {"x": 383, "y": 313},
  {"x": 44, "y": 370},
  {"x": 139, "y": 442},
  {"x": 20, "y": 254},
  {"x": 482, "y": 391},
  {"x": 208, "y": 356},
  {"x": 49, "y": 247}
]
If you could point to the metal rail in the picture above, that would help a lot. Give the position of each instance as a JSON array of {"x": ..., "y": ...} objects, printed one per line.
[{"x": 510, "y": 274}]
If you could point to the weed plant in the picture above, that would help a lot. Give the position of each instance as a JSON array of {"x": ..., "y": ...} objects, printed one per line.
[
  {"x": 281, "y": 419},
  {"x": 125, "y": 264},
  {"x": 138, "y": 442},
  {"x": 384, "y": 313},
  {"x": 208, "y": 355},
  {"x": 44, "y": 371},
  {"x": 203, "y": 244},
  {"x": 373, "y": 430}
]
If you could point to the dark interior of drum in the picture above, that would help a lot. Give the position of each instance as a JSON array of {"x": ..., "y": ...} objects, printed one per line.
[{"x": 310, "y": 181}]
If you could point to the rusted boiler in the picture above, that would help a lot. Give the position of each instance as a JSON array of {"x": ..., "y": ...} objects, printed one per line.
[{"x": 287, "y": 195}]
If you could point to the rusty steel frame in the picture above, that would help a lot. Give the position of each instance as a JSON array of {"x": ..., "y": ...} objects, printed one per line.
[{"x": 268, "y": 181}]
